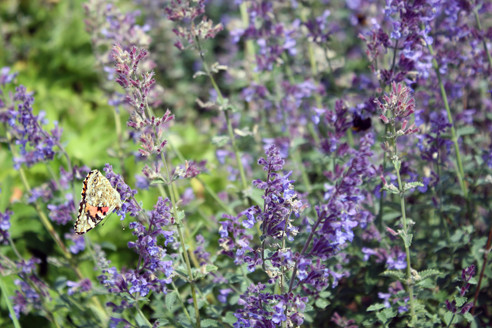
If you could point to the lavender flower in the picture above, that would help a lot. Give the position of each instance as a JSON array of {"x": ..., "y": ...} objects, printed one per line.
[
  {"x": 62, "y": 213},
  {"x": 108, "y": 26},
  {"x": 76, "y": 287},
  {"x": 187, "y": 12},
  {"x": 126, "y": 193},
  {"x": 6, "y": 77},
  {"x": 466, "y": 275},
  {"x": 138, "y": 86},
  {"x": 5, "y": 226},
  {"x": 260, "y": 308},
  {"x": 32, "y": 290},
  {"x": 78, "y": 242},
  {"x": 153, "y": 271},
  {"x": 27, "y": 130},
  {"x": 400, "y": 104}
]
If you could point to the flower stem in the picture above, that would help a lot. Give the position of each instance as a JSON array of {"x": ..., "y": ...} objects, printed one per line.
[
  {"x": 13, "y": 317},
  {"x": 51, "y": 230},
  {"x": 172, "y": 193},
  {"x": 479, "y": 26},
  {"x": 486, "y": 252},
  {"x": 459, "y": 172},
  {"x": 143, "y": 316},
  {"x": 407, "y": 248},
  {"x": 226, "y": 113},
  {"x": 405, "y": 237}
]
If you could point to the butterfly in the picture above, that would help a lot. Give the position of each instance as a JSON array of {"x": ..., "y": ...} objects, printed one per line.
[{"x": 99, "y": 199}]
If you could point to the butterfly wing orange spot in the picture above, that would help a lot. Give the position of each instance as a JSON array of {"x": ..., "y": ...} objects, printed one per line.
[
  {"x": 104, "y": 210},
  {"x": 92, "y": 210}
]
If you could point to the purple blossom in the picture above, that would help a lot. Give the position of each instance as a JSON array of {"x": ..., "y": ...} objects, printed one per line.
[
  {"x": 127, "y": 194},
  {"x": 43, "y": 192},
  {"x": 393, "y": 294},
  {"x": 27, "y": 130},
  {"x": 234, "y": 238},
  {"x": 76, "y": 287},
  {"x": 260, "y": 308},
  {"x": 190, "y": 22},
  {"x": 6, "y": 77},
  {"x": 5, "y": 226},
  {"x": 27, "y": 298},
  {"x": 138, "y": 86},
  {"x": 280, "y": 199},
  {"x": 396, "y": 260},
  {"x": 62, "y": 213},
  {"x": 223, "y": 295},
  {"x": 201, "y": 254},
  {"x": 109, "y": 26},
  {"x": 141, "y": 182},
  {"x": 78, "y": 242}
]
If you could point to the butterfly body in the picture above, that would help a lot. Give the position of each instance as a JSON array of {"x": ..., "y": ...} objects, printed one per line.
[{"x": 99, "y": 199}]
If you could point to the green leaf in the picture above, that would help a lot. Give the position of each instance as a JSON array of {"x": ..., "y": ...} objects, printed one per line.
[
  {"x": 391, "y": 188},
  {"x": 460, "y": 301},
  {"x": 412, "y": 185},
  {"x": 465, "y": 130},
  {"x": 220, "y": 141},
  {"x": 428, "y": 273},
  {"x": 376, "y": 307},
  {"x": 210, "y": 268},
  {"x": 447, "y": 317},
  {"x": 397, "y": 275},
  {"x": 230, "y": 318},
  {"x": 408, "y": 240},
  {"x": 322, "y": 303},
  {"x": 171, "y": 300},
  {"x": 469, "y": 317},
  {"x": 209, "y": 323}
]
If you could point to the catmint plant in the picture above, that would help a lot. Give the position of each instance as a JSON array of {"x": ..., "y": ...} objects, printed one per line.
[
  {"x": 395, "y": 111},
  {"x": 247, "y": 194}
]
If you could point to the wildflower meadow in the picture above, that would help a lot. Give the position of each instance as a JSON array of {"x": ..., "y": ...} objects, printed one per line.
[{"x": 245, "y": 163}]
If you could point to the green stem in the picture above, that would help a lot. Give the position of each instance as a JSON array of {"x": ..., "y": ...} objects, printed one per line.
[
  {"x": 13, "y": 317},
  {"x": 226, "y": 112},
  {"x": 182, "y": 242},
  {"x": 459, "y": 172},
  {"x": 405, "y": 237},
  {"x": 143, "y": 316},
  {"x": 183, "y": 305},
  {"x": 49, "y": 227},
  {"x": 119, "y": 134},
  {"x": 249, "y": 45},
  {"x": 477, "y": 20},
  {"x": 407, "y": 248},
  {"x": 297, "y": 158}
]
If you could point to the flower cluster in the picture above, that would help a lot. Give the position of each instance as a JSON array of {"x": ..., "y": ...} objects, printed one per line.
[
  {"x": 337, "y": 218},
  {"x": 108, "y": 26},
  {"x": 127, "y": 194},
  {"x": 400, "y": 104},
  {"x": 466, "y": 275},
  {"x": 5, "y": 226},
  {"x": 186, "y": 12},
  {"x": 32, "y": 289},
  {"x": 27, "y": 130},
  {"x": 153, "y": 271},
  {"x": 138, "y": 86},
  {"x": 273, "y": 38},
  {"x": 261, "y": 308}
]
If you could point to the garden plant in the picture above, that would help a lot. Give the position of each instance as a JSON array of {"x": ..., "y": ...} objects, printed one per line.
[{"x": 245, "y": 163}]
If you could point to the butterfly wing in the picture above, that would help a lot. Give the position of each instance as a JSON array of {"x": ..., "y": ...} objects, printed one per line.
[{"x": 99, "y": 199}]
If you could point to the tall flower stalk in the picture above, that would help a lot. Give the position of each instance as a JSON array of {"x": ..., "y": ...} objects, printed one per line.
[
  {"x": 396, "y": 109},
  {"x": 150, "y": 131}
]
